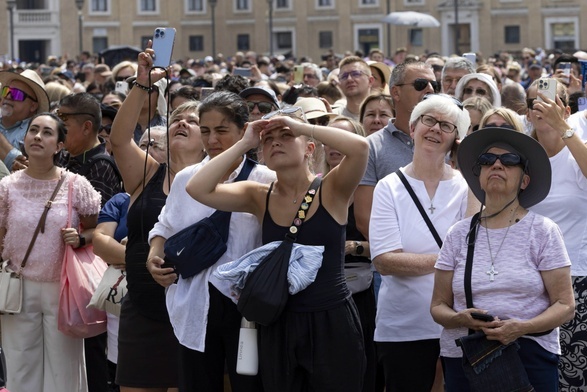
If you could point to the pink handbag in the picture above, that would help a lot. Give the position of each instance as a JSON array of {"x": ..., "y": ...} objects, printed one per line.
[{"x": 81, "y": 274}]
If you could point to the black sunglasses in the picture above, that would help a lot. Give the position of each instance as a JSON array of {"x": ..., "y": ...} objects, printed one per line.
[
  {"x": 507, "y": 159},
  {"x": 322, "y": 120},
  {"x": 106, "y": 128},
  {"x": 264, "y": 107},
  {"x": 530, "y": 102},
  {"x": 421, "y": 83}
]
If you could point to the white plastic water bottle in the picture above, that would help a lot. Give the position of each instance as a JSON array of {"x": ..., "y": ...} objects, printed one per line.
[{"x": 247, "y": 360}]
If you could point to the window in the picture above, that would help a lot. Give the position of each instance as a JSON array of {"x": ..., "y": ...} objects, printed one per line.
[
  {"x": 145, "y": 39},
  {"x": 99, "y": 44},
  {"x": 564, "y": 35},
  {"x": 414, "y": 2},
  {"x": 284, "y": 40},
  {"x": 325, "y": 38},
  {"x": 243, "y": 42},
  {"x": 242, "y": 5},
  {"x": 416, "y": 37},
  {"x": 99, "y": 6},
  {"x": 512, "y": 34},
  {"x": 282, "y": 4},
  {"x": 195, "y": 5},
  {"x": 148, "y": 6},
  {"x": 325, "y": 4},
  {"x": 369, "y": 2},
  {"x": 196, "y": 43}
]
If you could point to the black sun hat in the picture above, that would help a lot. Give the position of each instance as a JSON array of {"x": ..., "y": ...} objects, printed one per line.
[{"x": 537, "y": 162}]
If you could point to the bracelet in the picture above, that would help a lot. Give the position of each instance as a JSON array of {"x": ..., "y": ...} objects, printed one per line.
[
  {"x": 313, "y": 132},
  {"x": 144, "y": 88}
]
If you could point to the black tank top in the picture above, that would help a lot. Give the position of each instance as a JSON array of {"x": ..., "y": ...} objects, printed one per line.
[
  {"x": 146, "y": 294},
  {"x": 329, "y": 289}
]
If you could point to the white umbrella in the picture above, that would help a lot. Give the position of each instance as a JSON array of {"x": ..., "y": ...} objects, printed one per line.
[{"x": 412, "y": 19}]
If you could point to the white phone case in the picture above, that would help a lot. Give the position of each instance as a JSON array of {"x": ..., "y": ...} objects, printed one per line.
[
  {"x": 163, "y": 40},
  {"x": 547, "y": 86}
]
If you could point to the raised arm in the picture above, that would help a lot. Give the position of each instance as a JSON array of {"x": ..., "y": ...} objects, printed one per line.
[{"x": 129, "y": 157}]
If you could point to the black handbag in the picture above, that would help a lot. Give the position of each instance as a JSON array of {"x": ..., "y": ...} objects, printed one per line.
[
  {"x": 199, "y": 246},
  {"x": 266, "y": 289}
]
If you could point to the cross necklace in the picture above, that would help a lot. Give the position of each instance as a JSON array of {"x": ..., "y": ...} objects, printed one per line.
[{"x": 492, "y": 271}]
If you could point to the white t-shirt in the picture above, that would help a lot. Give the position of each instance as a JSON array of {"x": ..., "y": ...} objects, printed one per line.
[
  {"x": 578, "y": 121},
  {"x": 566, "y": 204},
  {"x": 403, "y": 307},
  {"x": 532, "y": 245}
]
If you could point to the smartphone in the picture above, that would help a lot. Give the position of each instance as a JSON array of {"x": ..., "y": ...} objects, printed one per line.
[
  {"x": 205, "y": 91},
  {"x": 472, "y": 57},
  {"x": 482, "y": 316},
  {"x": 246, "y": 72},
  {"x": 163, "y": 40},
  {"x": 547, "y": 86},
  {"x": 582, "y": 103},
  {"x": 121, "y": 87},
  {"x": 298, "y": 74},
  {"x": 566, "y": 68}
]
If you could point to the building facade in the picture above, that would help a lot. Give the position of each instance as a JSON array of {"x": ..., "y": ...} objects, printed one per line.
[{"x": 41, "y": 28}]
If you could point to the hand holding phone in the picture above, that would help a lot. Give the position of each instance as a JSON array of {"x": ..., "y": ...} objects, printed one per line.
[
  {"x": 298, "y": 74},
  {"x": 482, "y": 316},
  {"x": 547, "y": 87},
  {"x": 163, "y": 40}
]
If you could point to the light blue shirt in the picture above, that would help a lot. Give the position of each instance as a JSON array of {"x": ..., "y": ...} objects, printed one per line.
[{"x": 14, "y": 135}]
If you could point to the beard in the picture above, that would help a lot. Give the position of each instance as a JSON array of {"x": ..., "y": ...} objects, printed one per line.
[{"x": 6, "y": 110}]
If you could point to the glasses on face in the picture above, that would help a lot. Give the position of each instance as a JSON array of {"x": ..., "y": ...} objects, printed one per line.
[
  {"x": 106, "y": 128},
  {"x": 453, "y": 99},
  {"x": 507, "y": 159},
  {"x": 65, "y": 116},
  {"x": 310, "y": 76},
  {"x": 421, "y": 83},
  {"x": 293, "y": 111},
  {"x": 121, "y": 78},
  {"x": 530, "y": 102},
  {"x": 476, "y": 91},
  {"x": 445, "y": 126},
  {"x": 504, "y": 125},
  {"x": 264, "y": 107},
  {"x": 352, "y": 74},
  {"x": 322, "y": 120},
  {"x": 16, "y": 94}
]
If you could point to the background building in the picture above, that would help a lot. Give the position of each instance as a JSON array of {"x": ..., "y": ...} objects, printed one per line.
[{"x": 301, "y": 27}]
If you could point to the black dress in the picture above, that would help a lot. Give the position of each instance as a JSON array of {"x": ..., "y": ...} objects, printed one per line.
[{"x": 147, "y": 347}]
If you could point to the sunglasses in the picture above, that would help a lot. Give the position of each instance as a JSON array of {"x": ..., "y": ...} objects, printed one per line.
[
  {"x": 264, "y": 107},
  {"x": 421, "y": 83},
  {"x": 430, "y": 121},
  {"x": 292, "y": 111},
  {"x": 16, "y": 94},
  {"x": 507, "y": 159},
  {"x": 530, "y": 102},
  {"x": 351, "y": 74},
  {"x": 65, "y": 116},
  {"x": 322, "y": 120},
  {"x": 121, "y": 78},
  {"x": 106, "y": 128},
  {"x": 478, "y": 91}
]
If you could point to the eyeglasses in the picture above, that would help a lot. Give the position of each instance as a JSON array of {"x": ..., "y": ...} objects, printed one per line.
[
  {"x": 292, "y": 111},
  {"x": 264, "y": 107},
  {"x": 507, "y": 159},
  {"x": 453, "y": 99},
  {"x": 310, "y": 76},
  {"x": 16, "y": 94},
  {"x": 322, "y": 120},
  {"x": 430, "y": 121},
  {"x": 352, "y": 74},
  {"x": 530, "y": 102},
  {"x": 106, "y": 128},
  {"x": 121, "y": 78},
  {"x": 477, "y": 91},
  {"x": 65, "y": 116},
  {"x": 421, "y": 83}
]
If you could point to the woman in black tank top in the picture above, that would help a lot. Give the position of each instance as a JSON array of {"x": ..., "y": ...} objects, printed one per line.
[{"x": 317, "y": 343}]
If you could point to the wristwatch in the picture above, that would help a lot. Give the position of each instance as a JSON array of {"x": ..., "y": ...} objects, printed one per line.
[
  {"x": 82, "y": 240},
  {"x": 359, "y": 249},
  {"x": 568, "y": 133}
]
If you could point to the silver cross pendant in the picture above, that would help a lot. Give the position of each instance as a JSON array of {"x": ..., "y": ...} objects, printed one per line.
[{"x": 492, "y": 272}]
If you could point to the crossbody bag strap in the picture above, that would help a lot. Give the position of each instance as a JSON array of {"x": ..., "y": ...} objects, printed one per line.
[
  {"x": 420, "y": 208},
  {"x": 300, "y": 217},
  {"x": 41, "y": 225},
  {"x": 469, "y": 264}
]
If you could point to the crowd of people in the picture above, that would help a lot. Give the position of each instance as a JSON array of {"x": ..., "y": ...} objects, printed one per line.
[{"x": 446, "y": 195}]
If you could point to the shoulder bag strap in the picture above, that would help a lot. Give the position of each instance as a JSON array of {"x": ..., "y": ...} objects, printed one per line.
[
  {"x": 41, "y": 224},
  {"x": 420, "y": 208},
  {"x": 471, "y": 237},
  {"x": 304, "y": 208},
  {"x": 246, "y": 170}
]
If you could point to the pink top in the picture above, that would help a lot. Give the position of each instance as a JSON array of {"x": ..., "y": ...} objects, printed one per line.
[{"x": 22, "y": 200}]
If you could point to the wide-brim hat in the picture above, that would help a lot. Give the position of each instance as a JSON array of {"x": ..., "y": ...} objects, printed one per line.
[
  {"x": 31, "y": 79},
  {"x": 313, "y": 108},
  {"x": 485, "y": 78},
  {"x": 537, "y": 162},
  {"x": 383, "y": 68}
]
